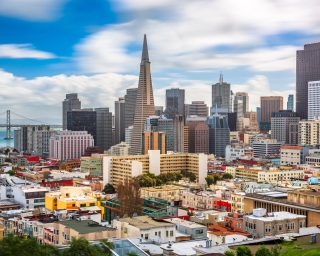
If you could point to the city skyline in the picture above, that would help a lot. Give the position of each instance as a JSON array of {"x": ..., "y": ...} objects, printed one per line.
[{"x": 68, "y": 50}]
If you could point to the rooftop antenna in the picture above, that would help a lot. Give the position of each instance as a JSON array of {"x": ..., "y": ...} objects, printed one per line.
[{"x": 221, "y": 78}]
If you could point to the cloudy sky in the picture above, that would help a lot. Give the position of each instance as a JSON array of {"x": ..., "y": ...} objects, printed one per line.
[{"x": 52, "y": 47}]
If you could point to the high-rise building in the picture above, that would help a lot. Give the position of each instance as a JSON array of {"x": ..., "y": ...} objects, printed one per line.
[
  {"x": 119, "y": 114},
  {"x": 97, "y": 122},
  {"x": 280, "y": 125},
  {"x": 241, "y": 106},
  {"x": 313, "y": 100},
  {"x": 69, "y": 144},
  {"x": 198, "y": 134},
  {"x": 33, "y": 139},
  {"x": 83, "y": 120},
  {"x": 253, "y": 118},
  {"x": 175, "y": 102},
  {"x": 221, "y": 96},
  {"x": 307, "y": 69},
  {"x": 128, "y": 135},
  {"x": 130, "y": 105},
  {"x": 219, "y": 134},
  {"x": 158, "y": 110},
  {"x": 179, "y": 134},
  {"x": 290, "y": 102},
  {"x": 258, "y": 109},
  {"x": 196, "y": 108},
  {"x": 145, "y": 101},
  {"x": 309, "y": 132},
  {"x": 269, "y": 104},
  {"x": 103, "y": 128},
  {"x": 154, "y": 141},
  {"x": 161, "y": 124},
  {"x": 71, "y": 102}
]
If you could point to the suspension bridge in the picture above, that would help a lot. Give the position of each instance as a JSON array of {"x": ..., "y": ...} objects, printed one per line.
[{"x": 22, "y": 121}]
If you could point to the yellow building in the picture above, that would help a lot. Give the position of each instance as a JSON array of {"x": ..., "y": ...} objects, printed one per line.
[
  {"x": 166, "y": 192},
  {"x": 118, "y": 168},
  {"x": 73, "y": 198}
]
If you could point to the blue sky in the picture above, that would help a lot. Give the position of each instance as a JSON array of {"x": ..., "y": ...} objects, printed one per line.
[{"x": 52, "y": 47}]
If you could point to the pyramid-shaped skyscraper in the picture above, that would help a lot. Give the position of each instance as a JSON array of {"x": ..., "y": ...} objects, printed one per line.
[{"x": 145, "y": 101}]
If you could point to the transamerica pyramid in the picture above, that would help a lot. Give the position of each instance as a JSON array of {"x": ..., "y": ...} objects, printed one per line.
[{"x": 144, "y": 103}]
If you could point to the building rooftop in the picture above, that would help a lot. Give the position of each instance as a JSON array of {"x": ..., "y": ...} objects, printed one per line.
[
  {"x": 222, "y": 231},
  {"x": 145, "y": 222},
  {"x": 85, "y": 226},
  {"x": 276, "y": 216},
  {"x": 185, "y": 223}
]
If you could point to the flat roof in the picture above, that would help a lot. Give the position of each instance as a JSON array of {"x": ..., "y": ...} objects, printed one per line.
[
  {"x": 186, "y": 223},
  {"x": 85, "y": 226},
  {"x": 277, "y": 216},
  {"x": 145, "y": 222}
]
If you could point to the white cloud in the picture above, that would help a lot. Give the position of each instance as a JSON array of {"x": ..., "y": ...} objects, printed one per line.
[
  {"x": 42, "y": 96},
  {"x": 16, "y": 51},
  {"x": 34, "y": 10},
  {"x": 191, "y": 34}
]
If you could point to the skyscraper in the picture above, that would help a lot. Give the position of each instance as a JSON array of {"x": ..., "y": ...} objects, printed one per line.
[
  {"x": 269, "y": 104},
  {"x": 219, "y": 134},
  {"x": 175, "y": 102},
  {"x": 280, "y": 125},
  {"x": 290, "y": 102},
  {"x": 179, "y": 134},
  {"x": 198, "y": 133},
  {"x": 313, "y": 100},
  {"x": 130, "y": 106},
  {"x": 307, "y": 69},
  {"x": 241, "y": 106},
  {"x": 144, "y": 103},
  {"x": 119, "y": 113},
  {"x": 83, "y": 120},
  {"x": 221, "y": 97},
  {"x": 70, "y": 102},
  {"x": 196, "y": 108},
  {"x": 104, "y": 128}
]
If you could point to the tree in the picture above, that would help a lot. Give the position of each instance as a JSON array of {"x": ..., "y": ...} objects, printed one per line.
[
  {"x": 81, "y": 247},
  {"x": 227, "y": 176},
  {"x": 129, "y": 197},
  {"x": 243, "y": 251},
  {"x": 263, "y": 251},
  {"x": 229, "y": 253},
  {"x": 14, "y": 245},
  {"x": 109, "y": 189},
  {"x": 209, "y": 180}
]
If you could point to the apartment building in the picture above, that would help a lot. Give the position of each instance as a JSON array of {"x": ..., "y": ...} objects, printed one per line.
[
  {"x": 118, "y": 168},
  {"x": 166, "y": 192},
  {"x": 309, "y": 132},
  {"x": 272, "y": 175},
  {"x": 271, "y": 224},
  {"x": 145, "y": 228},
  {"x": 292, "y": 155}
]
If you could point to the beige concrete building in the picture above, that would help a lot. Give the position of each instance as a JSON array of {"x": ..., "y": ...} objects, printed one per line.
[
  {"x": 118, "y": 168},
  {"x": 202, "y": 200},
  {"x": 275, "y": 223},
  {"x": 237, "y": 201},
  {"x": 292, "y": 155},
  {"x": 166, "y": 192},
  {"x": 121, "y": 149},
  {"x": 145, "y": 228},
  {"x": 273, "y": 175},
  {"x": 309, "y": 132}
]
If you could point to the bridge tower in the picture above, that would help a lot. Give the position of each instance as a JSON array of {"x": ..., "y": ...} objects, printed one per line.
[{"x": 8, "y": 134}]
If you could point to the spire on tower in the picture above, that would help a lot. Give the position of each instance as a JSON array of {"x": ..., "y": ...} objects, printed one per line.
[
  {"x": 145, "y": 54},
  {"x": 221, "y": 78}
]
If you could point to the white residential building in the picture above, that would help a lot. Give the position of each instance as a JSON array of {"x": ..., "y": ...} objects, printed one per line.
[{"x": 70, "y": 144}]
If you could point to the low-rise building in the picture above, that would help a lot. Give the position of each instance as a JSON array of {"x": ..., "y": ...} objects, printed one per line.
[
  {"x": 145, "y": 228},
  {"x": 292, "y": 155},
  {"x": 202, "y": 200},
  {"x": 237, "y": 201},
  {"x": 234, "y": 153},
  {"x": 165, "y": 192},
  {"x": 194, "y": 230},
  {"x": 275, "y": 223}
]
